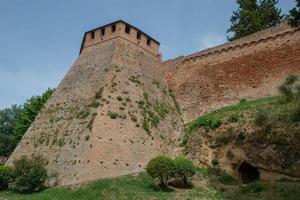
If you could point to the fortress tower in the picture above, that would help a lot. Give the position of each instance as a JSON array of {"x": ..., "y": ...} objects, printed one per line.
[
  {"x": 120, "y": 29},
  {"x": 111, "y": 113},
  {"x": 114, "y": 110}
]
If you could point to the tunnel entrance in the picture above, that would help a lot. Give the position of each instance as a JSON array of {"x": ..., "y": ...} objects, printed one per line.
[{"x": 248, "y": 173}]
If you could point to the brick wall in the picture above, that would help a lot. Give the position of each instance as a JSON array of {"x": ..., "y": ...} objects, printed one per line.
[{"x": 249, "y": 68}]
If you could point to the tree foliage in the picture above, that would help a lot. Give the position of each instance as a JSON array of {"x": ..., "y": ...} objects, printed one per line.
[
  {"x": 184, "y": 169},
  {"x": 30, "y": 110},
  {"x": 294, "y": 15},
  {"x": 7, "y": 128},
  {"x": 253, "y": 16},
  {"x": 15, "y": 121},
  {"x": 162, "y": 168}
]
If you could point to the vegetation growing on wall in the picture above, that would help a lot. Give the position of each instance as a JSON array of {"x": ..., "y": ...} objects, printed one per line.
[{"x": 152, "y": 113}]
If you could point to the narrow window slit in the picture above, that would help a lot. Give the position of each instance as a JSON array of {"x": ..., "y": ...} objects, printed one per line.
[
  {"x": 138, "y": 35},
  {"x": 148, "y": 41},
  {"x": 113, "y": 28},
  {"x": 103, "y": 31},
  {"x": 127, "y": 28},
  {"x": 92, "y": 34}
]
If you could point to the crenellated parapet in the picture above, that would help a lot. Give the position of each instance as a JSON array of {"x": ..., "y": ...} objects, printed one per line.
[
  {"x": 120, "y": 29},
  {"x": 249, "y": 67},
  {"x": 268, "y": 38}
]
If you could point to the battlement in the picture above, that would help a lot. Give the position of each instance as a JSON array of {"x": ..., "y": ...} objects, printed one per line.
[
  {"x": 249, "y": 67},
  {"x": 120, "y": 29}
]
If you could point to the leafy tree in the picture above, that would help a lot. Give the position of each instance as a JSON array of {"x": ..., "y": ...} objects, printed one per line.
[
  {"x": 161, "y": 167},
  {"x": 15, "y": 121},
  {"x": 29, "y": 175},
  {"x": 7, "y": 128},
  {"x": 252, "y": 16},
  {"x": 30, "y": 109},
  {"x": 294, "y": 15},
  {"x": 184, "y": 169}
]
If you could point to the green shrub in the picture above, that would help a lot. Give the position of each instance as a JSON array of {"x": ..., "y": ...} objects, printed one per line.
[
  {"x": 262, "y": 118},
  {"x": 29, "y": 175},
  {"x": 222, "y": 138},
  {"x": 99, "y": 93},
  {"x": 146, "y": 126},
  {"x": 162, "y": 168},
  {"x": 234, "y": 118},
  {"x": 215, "y": 162},
  {"x": 83, "y": 114},
  {"x": 113, "y": 115},
  {"x": 134, "y": 79},
  {"x": 91, "y": 122},
  {"x": 184, "y": 169},
  {"x": 205, "y": 122},
  {"x": 242, "y": 101},
  {"x": 176, "y": 104},
  {"x": 227, "y": 179},
  {"x": 155, "y": 82},
  {"x": 94, "y": 104},
  {"x": 154, "y": 120},
  {"x": 253, "y": 187},
  {"x": 6, "y": 175},
  {"x": 119, "y": 98}
]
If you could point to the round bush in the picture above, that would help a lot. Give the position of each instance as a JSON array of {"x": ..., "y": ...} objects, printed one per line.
[
  {"x": 215, "y": 162},
  {"x": 162, "y": 168},
  {"x": 184, "y": 169},
  {"x": 6, "y": 174},
  {"x": 29, "y": 175}
]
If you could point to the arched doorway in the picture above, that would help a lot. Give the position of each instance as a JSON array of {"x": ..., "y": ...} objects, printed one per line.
[{"x": 248, "y": 173}]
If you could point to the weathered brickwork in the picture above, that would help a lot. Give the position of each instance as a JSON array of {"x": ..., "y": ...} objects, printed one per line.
[{"x": 248, "y": 68}]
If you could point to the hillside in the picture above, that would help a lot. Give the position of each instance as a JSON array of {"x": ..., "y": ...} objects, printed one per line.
[{"x": 260, "y": 134}]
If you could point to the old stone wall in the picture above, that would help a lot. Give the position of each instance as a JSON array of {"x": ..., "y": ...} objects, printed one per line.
[{"x": 249, "y": 67}]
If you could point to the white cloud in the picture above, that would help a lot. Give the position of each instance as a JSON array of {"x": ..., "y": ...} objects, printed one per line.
[{"x": 209, "y": 40}]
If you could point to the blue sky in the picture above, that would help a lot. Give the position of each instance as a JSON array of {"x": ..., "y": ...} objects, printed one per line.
[{"x": 40, "y": 39}]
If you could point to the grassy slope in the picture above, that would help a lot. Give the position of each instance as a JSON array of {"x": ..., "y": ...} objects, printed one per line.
[
  {"x": 263, "y": 103},
  {"x": 274, "y": 105}
]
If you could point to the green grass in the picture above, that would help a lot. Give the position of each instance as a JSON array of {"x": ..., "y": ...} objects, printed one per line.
[
  {"x": 231, "y": 110},
  {"x": 144, "y": 187},
  {"x": 212, "y": 120},
  {"x": 126, "y": 187}
]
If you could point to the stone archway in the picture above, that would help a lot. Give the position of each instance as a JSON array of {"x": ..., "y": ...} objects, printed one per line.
[{"x": 248, "y": 173}]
